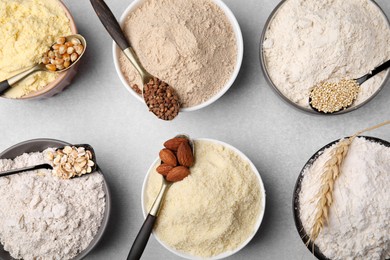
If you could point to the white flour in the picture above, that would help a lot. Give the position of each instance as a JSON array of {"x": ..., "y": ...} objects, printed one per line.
[
  {"x": 44, "y": 217},
  {"x": 359, "y": 223},
  {"x": 310, "y": 41}
]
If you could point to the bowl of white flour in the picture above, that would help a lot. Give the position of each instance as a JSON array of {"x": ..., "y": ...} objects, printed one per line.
[
  {"x": 215, "y": 211},
  {"x": 197, "y": 48},
  {"x": 306, "y": 42},
  {"x": 358, "y": 224},
  {"x": 46, "y": 217}
]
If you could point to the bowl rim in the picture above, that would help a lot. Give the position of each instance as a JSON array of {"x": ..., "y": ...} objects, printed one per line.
[
  {"x": 61, "y": 76},
  {"x": 297, "y": 189},
  {"x": 257, "y": 224},
  {"x": 103, "y": 226},
  {"x": 240, "y": 54},
  {"x": 276, "y": 90}
]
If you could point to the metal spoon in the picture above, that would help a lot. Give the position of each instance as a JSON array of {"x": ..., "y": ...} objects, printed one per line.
[
  {"x": 143, "y": 235},
  {"x": 10, "y": 82},
  {"x": 112, "y": 26},
  {"x": 48, "y": 166},
  {"x": 359, "y": 81}
]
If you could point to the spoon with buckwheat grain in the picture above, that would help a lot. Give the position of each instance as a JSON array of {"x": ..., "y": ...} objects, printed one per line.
[
  {"x": 67, "y": 162},
  {"x": 160, "y": 97},
  {"x": 63, "y": 54},
  {"x": 176, "y": 159},
  {"x": 327, "y": 97}
]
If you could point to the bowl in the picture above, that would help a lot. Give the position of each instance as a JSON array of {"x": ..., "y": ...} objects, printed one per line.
[
  {"x": 240, "y": 52},
  {"x": 40, "y": 145},
  {"x": 297, "y": 189},
  {"x": 259, "y": 219},
  {"x": 264, "y": 68},
  {"x": 64, "y": 78}
]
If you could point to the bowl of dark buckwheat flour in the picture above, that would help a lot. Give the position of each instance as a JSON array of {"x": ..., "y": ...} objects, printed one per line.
[
  {"x": 196, "y": 47},
  {"x": 47, "y": 217},
  {"x": 355, "y": 224},
  {"x": 308, "y": 42}
]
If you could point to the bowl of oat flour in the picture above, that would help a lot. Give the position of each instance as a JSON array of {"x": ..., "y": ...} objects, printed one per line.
[
  {"x": 197, "y": 48},
  {"x": 358, "y": 219},
  {"x": 45, "y": 217},
  {"x": 307, "y": 42}
]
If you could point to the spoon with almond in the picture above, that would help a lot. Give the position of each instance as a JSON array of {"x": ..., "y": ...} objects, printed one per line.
[
  {"x": 159, "y": 96},
  {"x": 63, "y": 55},
  {"x": 176, "y": 159}
]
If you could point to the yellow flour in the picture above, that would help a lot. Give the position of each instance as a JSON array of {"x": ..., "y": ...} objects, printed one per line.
[
  {"x": 214, "y": 209},
  {"x": 27, "y": 30}
]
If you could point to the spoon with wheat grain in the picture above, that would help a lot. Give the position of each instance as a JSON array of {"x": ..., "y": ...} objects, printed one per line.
[
  {"x": 160, "y": 97},
  {"x": 327, "y": 97}
]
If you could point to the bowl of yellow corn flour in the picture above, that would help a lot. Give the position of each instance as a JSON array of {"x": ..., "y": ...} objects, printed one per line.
[{"x": 28, "y": 28}]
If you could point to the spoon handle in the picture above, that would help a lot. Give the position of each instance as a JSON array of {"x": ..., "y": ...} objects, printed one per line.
[
  {"x": 374, "y": 72},
  {"x": 4, "y": 86},
  {"x": 30, "y": 168},
  {"x": 142, "y": 238},
  {"x": 8, "y": 83},
  {"x": 110, "y": 23},
  {"x": 143, "y": 235}
]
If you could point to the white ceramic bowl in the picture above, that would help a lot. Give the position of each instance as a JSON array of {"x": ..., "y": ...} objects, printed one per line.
[
  {"x": 259, "y": 219},
  {"x": 240, "y": 52}
]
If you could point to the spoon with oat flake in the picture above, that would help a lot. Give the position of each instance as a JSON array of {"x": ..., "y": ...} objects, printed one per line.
[
  {"x": 327, "y": 97},
  {"x": 159, "y": 96},
  {"x": 68, "y": 162},
  {"x": 62, "y": 56}
]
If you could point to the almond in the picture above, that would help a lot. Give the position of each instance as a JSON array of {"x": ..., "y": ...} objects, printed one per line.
[
  {"x": 173, "y": 144},
  {"x": 178, "y": 173},
  {"x": 168, "y": 157},
  {"x": 163, "y": 169},
  {"x": 184, "y": 155}
]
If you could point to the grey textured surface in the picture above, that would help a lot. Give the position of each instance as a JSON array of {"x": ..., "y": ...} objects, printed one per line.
[{"x": 97, "y": 109}]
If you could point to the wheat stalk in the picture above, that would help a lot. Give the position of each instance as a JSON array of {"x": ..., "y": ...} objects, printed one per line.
[
  {"x": 331, "y": 172},
  {"x": 325, "y": 194}
]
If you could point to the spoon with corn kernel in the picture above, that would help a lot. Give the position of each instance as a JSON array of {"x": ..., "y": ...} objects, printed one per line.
[
  {"x": 66, "y": 162},
  {"x": 327, "y": 97},
  {"x": 63, "y": 55}
]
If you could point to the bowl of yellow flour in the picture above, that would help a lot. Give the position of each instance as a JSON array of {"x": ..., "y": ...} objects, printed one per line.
[
  {"x": 29, "y": 28},
  {"x": 215, "y": 211}
]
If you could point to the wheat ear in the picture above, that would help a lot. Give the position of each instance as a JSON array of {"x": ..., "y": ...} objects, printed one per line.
[{"x": 331, "y": 171}]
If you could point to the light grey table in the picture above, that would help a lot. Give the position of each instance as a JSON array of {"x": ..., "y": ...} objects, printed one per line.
[{"x": 98, "y": 110}]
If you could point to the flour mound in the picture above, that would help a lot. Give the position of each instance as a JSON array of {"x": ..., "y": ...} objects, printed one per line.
[{"x": 44, "y": 217}]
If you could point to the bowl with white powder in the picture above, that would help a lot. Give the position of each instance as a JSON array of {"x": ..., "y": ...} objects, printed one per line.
[
  {"x": 44, "y": 217},
  {"x": 358, "y": 218},
  {"x": 197, "y": 47},
  {"x": 215, "y": 211},
  {"x": 307, "y": 42}
]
